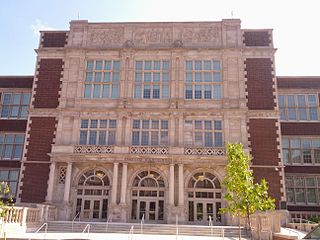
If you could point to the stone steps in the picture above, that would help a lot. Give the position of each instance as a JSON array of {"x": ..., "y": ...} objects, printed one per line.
[{"x": 158, "y": 229}]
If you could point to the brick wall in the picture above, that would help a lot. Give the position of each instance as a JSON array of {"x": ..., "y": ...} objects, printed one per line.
[
  {"x": 259, "y": 84},
  {"x": 16, "y": 82},
  {"x": 48, "y": 84},
  {"x": 302, "y": 169},
  {"x": 264, "y": 150},
  {"x": 36, "y": 167},
  {"x": 257, "y": 39},
  {"x": 54, "y": 39},
  {"x": 297, "y": 128}
]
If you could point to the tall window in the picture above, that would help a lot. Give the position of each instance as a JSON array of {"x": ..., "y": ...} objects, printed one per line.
[
  {"x": 10, "y": 177},
  {"x": 298, "y": 107},
  {"x": 102, "y": 79},
  {"x": 152, "y": 79},
  {"x": 203, "y": 133},
  {"x": 304, "y": 190},
  {"x": 301, "y": 150},
  {"x": 15, "y": 105},
  {"x": 11, "y": 146},
  {"x": 203, "y": 80},
  {"x": 98, "y": 132},
  {"x": 150, "y": 132}
]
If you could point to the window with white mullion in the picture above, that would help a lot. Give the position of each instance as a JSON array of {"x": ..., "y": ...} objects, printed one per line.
[
  {"x": 303, "y": 190},
  {"x": 10, "y": 177},
  {"x": 11, "y": 146},
  {"x": 301, "y": 151},
  {"x": 102, "y": 79},
  {"x": 97, "y": 132},
  {"x": 14, "y": 105},
  {"x": 150, "y": 133},
  {"x": 298, "y": 107},
  {"x": 203, "y": 79},
  {"x": 152, "y": 79},
  {"x": 203, "y": 133}
]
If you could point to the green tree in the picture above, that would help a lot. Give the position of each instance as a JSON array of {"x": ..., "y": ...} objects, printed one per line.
[{"x": 244, "y": 197}]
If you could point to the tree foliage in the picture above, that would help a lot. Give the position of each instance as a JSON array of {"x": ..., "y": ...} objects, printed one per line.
[
  {"x": 244, "y": 197},
  {"x": 5, "y": 198}
]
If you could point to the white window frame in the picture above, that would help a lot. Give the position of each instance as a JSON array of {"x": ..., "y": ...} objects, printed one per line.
[{"x": 20, "y": 108}]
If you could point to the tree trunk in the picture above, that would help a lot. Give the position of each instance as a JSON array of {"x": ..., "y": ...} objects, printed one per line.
[{"x": 249, "y": 222}]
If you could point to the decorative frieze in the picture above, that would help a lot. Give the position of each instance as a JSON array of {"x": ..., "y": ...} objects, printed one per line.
[
  {"x": 149, "y": 150},
  {"x": 204, "y": 151},
  {"x": 93, "y": 149}
]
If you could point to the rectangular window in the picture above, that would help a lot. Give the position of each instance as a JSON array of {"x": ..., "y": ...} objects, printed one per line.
[
  {"x": 11, "y": 146},
  {"x": 150, "y": 133},
  {"x": 298, "y": 107},
  {"x": 97, "y": 132},
  {"x": 14, "y": 105},
  {"x": 102, "y": 79},
  {"x": 203, "y": 133},
  {"x": 301, "y": 151},
  {"x": 203, "y": 80},
  {"x": 10, "y": 177},
  {"x": 303, "y": 190},
  {"x": 152, "y": 79}
]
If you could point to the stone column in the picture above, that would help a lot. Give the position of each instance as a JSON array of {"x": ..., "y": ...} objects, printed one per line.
[
  {"x": 114, "y": 183},
  {"x": 171, "y": 184},
  {"x": 181, "y": 184},
  {"x": 51, "y": 182},
  {"x": 67, "y": 183},
  {"x": 124, "y": 183}
]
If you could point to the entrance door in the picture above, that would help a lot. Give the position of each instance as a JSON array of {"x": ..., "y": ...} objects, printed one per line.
[
  {"x": 204, "y": 212},
  {"x": 93, "y": 209},
  {"x": 147, "y": 209}
]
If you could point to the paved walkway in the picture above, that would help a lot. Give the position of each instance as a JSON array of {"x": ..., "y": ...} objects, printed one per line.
[{"x": 106, "y": 236}]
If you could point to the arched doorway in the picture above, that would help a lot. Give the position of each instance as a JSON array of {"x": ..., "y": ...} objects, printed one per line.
[
  {"x": 92, "y": 195},
  {"x": 148, "y": 197},
  {"x": 204, "y": 198}
]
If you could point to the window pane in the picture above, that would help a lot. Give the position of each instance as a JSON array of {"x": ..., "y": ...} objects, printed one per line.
[
  {"x": 197, "y": 92},
  {"x": 147, "y": 65},
  {"x": 165, "y": 77},
  {"x": 87, "y": 91},
  {"x": 102, "y": 137},
  {"x": 116, "y": 66},
  {"x": 208, "y": 125},
  {"x": 5, "y": 111},
  {"x": 198, "y": 77},
  {"x": 154, "y": 138},
  {"x": 306, "y": 143},
  {"x": 198, "y": 138},
  {"x": 291, "y": 101},
  {"x": 14, "y": 111},
  {"x": 216, "y": 65},
  {"x": 26, "y": 98},
  {"x": 300, "y": 195},
  {"x": 115, "y": 91},
  {"x": 217, "y": 125},
  {"x": 137, "y": 91},
  {"x": 216, "y": 77},
  {"x": 207, "y": 65},
  {"x": 13, "y": 175},
  {"x": 290, "y": 195},
  {"x": 164, "y": 138},
  {"x": 107, "y": 65},
  {"x": 302, "y": 113},
  {"x": 156, "y": 92},
  {"x": 285, "y": 153},
  {"x": 17, "y": 152},
  {"x": 165, "y": 91},
  {"x": 96, "y": 91},
  {"x": 156, "y": 77},
  {"x": 145, "y": 138},
  {"x": 139, "y": 65},
  {"x": 189, "y": 77},
  {"x": 217, "y": 92},
  {"x": 135, "y": 138},
  {"x": 313, "y": 114},
  {"x": 7, "y": 151},
  {"x": 90, "y": 65},
  {"x": 218, "y": 139},
  {"x": 107, "y": 77},
  {"x": 136, "y": 124},
  {"x": 97, "y": 77},
  {"x": 311, "y": 195},
  {"x": 147, "y": 92},
  {"x": 208, "y": 139},
  {"x": 112, "y": 123},
  {"x": 98, "y": 65},
  {"x": 307, "y": 156},
  {"x": 198, "y": 124},
  {"x": 189, "y": 65},
  {"x": 164, "y": 124},
  {"x": 207, "y": 92},
  {"x": 165, "y": 65},
  {"x": 24, "y": 112},
  {"x": 145, "y": 124},
  {"x": 105, "y": 91},
  {"x": 312, "y": 101},
  {"x": 111, "y": 137},
  {"x": 198, "y": 65},
  {"x": 188, "y": 92},
  {"x": 93, "y": 138},
  {"x": 292, "y": 114},
  {"x": 115, "y": 77},
  {"x": 281, "y": 100},
  {"x": 296, "y": 156},
  {"x": 83, "y": 137},
  {"x": 94, "y": 123},
  {"x": 155, "y": 124},
  {"x": 156, "y": 65},
  {"x": 301, "y": 101}
]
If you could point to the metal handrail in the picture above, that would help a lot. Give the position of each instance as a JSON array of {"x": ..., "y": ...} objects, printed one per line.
[
  {"x": 131, "y": 232},
  {"x": 87, "y": 226},
  {"x": 177, "y": 226},
  {"x": 78, "y": 214},
  {"x": 141, "y": 224},
  {"x": 46, "y": 228},
  {"x": 294, "y": 231},
  {"x": 108, "y": 220},
  {"x": 302, "y": 220}
]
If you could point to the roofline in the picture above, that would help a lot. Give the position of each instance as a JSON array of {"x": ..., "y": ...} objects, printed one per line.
[
  {"x": 298, "y": 77},
  {"x": 14, "y": 76}
]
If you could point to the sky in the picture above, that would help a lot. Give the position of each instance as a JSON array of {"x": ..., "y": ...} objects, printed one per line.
[{"x": 295, "y": 24}]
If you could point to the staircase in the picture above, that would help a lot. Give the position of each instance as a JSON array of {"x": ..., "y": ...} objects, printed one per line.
[{"x": 158, "y": 229}]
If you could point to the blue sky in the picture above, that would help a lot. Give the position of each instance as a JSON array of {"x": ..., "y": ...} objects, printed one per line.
[{"x": 295, "y": 24}]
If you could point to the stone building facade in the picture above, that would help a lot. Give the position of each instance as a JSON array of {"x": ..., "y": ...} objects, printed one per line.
[{"x": 129, "y": 120}]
